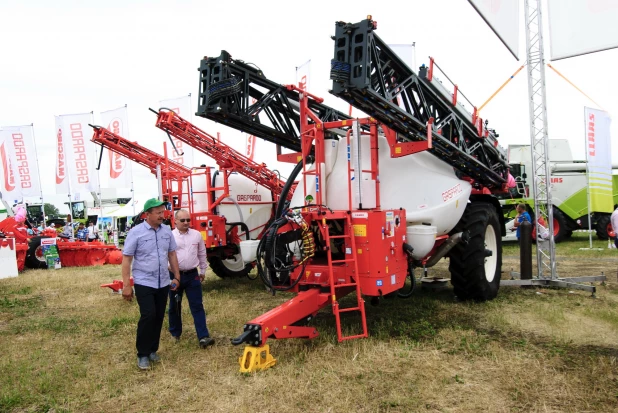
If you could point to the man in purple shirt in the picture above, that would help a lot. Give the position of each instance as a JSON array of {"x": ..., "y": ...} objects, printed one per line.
[
  {"x": 191, "y": 253},
  {"x": 148, "y": 250}
]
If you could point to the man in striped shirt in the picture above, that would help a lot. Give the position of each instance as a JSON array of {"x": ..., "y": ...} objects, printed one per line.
[{"x": 191, "y": 253}]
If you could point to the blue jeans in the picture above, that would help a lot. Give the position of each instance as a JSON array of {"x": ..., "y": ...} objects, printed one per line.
[
  {"x": 616, "y": 241},
  {"x": 190, "y": 284}
]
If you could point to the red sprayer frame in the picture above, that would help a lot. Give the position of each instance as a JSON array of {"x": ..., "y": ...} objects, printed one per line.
[{"x": 321, "y": 281}]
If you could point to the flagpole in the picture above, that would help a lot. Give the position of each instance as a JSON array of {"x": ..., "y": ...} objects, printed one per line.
[
  {"x": 98, "y": 177},
  {"x": 38, "y": 169},
  {"x": 588, "y": 182},
  {"x": 129, "y": 164}
]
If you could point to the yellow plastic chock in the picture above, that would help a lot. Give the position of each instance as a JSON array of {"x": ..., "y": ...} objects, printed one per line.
[{"x": 256, "y": 358}]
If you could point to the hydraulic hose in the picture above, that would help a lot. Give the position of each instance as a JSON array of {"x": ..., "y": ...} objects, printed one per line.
[
  {"x": 409, "y": 293},
  {"x": 288, "y": 186},
  {"x": 241, "y": 225},
  {"x": 213, "y": 184},
  {"x": 267, "y": 247},
  {"x": 237, "y": 207}
]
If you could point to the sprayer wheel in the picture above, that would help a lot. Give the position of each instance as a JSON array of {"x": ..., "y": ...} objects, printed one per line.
[
  {"x": 229, "y": 268},
  {"x": 475, "y": 273},
  {"x": 35, "y": 259}
]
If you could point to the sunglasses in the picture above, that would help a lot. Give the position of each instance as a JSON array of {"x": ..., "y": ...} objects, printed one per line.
[{"x": 185, "y": 220}]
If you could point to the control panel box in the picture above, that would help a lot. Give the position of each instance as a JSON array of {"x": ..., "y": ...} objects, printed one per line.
[{"x": 382, "y": 262}]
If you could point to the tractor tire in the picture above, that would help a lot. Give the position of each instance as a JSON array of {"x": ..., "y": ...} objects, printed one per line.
[
  {"x": 604, "y": 228},
  {"x": 229, "y": 268},
  {"x": 475, "y": 273},
  {"x": 560, "y": 226},
  {"x": 34, "y": 256}
]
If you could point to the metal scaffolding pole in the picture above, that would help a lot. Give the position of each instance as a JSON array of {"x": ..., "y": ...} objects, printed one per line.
[{"x": 541, "y": 174}]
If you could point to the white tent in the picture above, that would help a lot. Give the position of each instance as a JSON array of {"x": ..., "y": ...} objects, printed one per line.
[{"x": 132, "y": 208}]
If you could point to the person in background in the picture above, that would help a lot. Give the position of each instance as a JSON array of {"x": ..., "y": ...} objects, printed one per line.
[
  {"x": 93, "y": 232},
  {"x": 614, "y": 221},
  {"x": 107, "y": 233},
  {"x": 67, "y": 231},
  {"x": 191, "y": 253},
  {"x": 522, "y": 216},
  {"x": 82, "y": 232},
  {"x": 148, "y": 250}
]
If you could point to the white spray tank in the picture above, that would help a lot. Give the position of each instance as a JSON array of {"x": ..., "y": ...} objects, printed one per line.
[
  {"x": 426, "y": 187},
  {"x": 247, "y": 202}
]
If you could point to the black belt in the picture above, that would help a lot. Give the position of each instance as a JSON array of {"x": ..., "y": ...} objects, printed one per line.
[{"x": 188, "y": 271}]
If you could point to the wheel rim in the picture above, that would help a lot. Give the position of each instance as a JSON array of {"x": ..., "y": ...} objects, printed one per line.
[
  {"x": 542, "y": 222},
  {"x": 610, "y": 231},
  {"x": 234, "y": 264},
  {"x": 491, "y": 244},
  {"x": 556, "y": 227},
  {"x": 38, "y": 253}
]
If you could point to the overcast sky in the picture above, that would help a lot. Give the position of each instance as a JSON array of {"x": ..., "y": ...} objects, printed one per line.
[{"x": 64, "y": 57}]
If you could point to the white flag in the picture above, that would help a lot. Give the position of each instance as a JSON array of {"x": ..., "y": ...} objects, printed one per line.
[
  {"x": 406, "y": 53},
  {"x": 250, "y": 153},
  {"x": 115, "y": 167},
  {"x": 10, "y": 185},
  {"x": 72, "y": 132},
  {"x": 26, "y": 168},
  {"x": 303, "y": 75},
  {"x": 599, "y": 156},
  {"x": 182, "y": 107},
  {"x": 62, "y": 179},
  {"x": 250, "y": 142}
]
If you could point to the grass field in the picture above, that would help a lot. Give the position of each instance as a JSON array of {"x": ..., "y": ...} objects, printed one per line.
[{"x": 69, "y": 345}]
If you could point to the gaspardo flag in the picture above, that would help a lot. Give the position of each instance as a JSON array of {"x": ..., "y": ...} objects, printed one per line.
[
  {"x": 115, "y": 169},
  {"x": 75, "y": 163},
  {"x": 182, "y": 107},
  {"x": 10, "y": 185},
  {"x": 25, "y": 166}
]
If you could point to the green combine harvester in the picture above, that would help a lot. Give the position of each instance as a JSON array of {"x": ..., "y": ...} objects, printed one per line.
[{"x": 569, "y": 192}]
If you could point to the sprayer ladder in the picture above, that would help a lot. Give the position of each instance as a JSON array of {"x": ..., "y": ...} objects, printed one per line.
[{"x": 351, "y": 259}]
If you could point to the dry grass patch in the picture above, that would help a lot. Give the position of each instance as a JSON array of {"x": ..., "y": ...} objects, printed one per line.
[{"x": 69, "y": 345}]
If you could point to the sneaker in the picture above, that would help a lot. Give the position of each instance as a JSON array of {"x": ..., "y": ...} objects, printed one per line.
[
  {"x": 154, "y": 357},
  {"x": 143, "y": 363},
  {"x": 206, "y": 341}
]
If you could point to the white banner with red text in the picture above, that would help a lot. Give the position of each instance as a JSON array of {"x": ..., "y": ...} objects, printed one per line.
[
  {"x": 26, "y": 167},
  {"x": 599, "y": 157},
  {"x": 75, "y": 163},
  {"x": 303, "y": 76},
  {"x": 115, "y": 169},
  {"x": 183, "y": 153},
  {"x": 10, "y": 185},
  {"x": 250, "y": 141}
]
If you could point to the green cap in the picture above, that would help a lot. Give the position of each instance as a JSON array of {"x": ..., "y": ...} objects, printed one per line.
[{"x": 152, "y": 203}]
